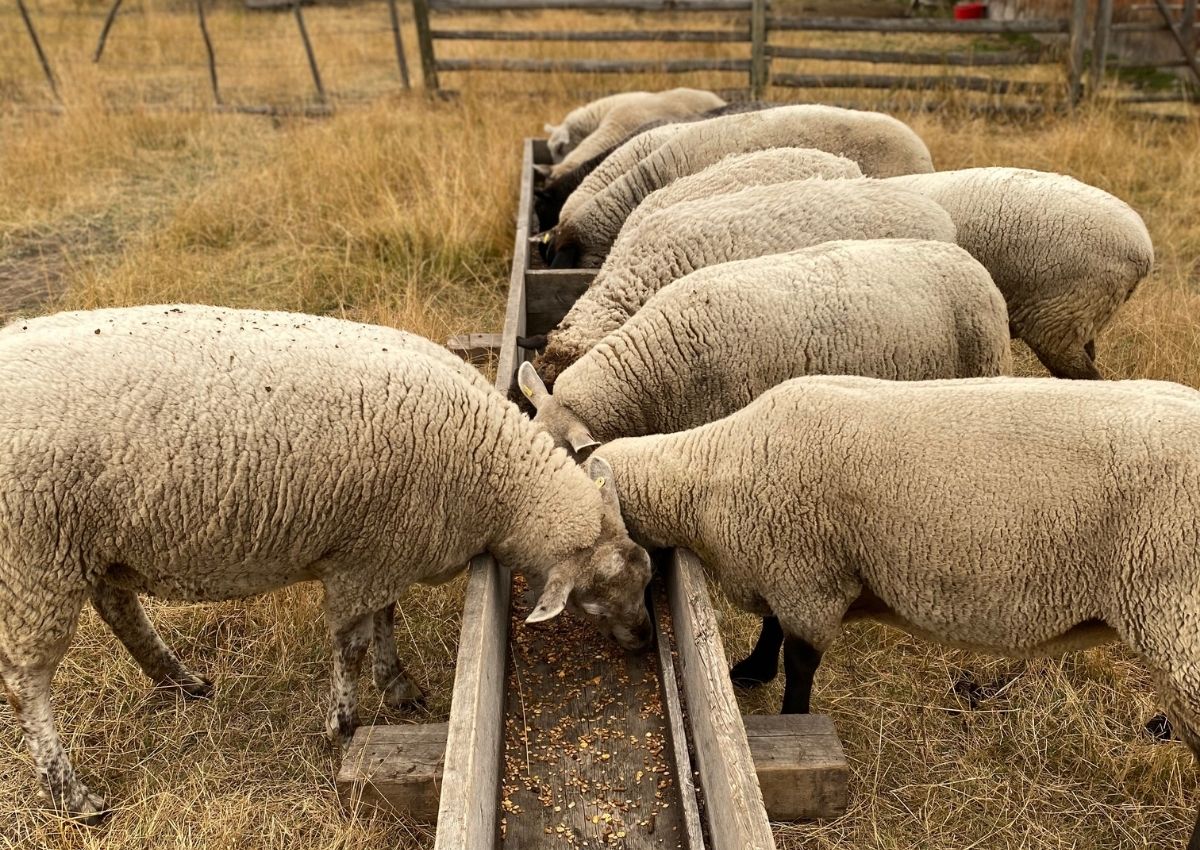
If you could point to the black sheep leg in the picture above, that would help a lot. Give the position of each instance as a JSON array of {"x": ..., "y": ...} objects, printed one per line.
[
  {"x": 800, "y": 662},
  {"x": 762, "y": 664}
]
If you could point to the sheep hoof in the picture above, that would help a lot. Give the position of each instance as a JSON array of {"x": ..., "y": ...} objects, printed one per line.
[
  {"x": 341, "y": 732},
  {"x": 193, "y": 687},
  {"x": 1159, "y": 728},
  {"x": 750, "y": 673},
  {"x": 402, "y": 693},
  {"x": 85, "y": 808}
]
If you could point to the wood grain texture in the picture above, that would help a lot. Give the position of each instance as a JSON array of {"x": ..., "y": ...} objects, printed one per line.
[
  {"x": 801, "y": 766},
  {"x": 736, "y": 816},
  {"x": 588, "y": 757},
  {"x": 886, "y": 81},
  {"x": 596, "y": 66},
  {"x": 397, "y": 767},
  {"x": 476, "y": 348},
  {"x": 915, "y": 57}
]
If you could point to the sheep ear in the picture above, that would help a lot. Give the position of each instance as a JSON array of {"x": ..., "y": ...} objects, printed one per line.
[
  {"x": 531, "y": 385},
  {"x": 553, "y": 600},
  {"x": 550, "y": 128},
  {"x": 601, "y": 473},
  {"x": 542, "y": 171},
  {"x": 580, "y": 438}
]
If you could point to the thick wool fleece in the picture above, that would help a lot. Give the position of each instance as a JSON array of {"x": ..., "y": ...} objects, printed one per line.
[
  {"x": 881, "y": 145},
  {"x": 1066, "y": 255},
  {"x": 709, "y": 344},
  {"x": 741, "y": 171},
  {"x": 751, "y": 223},
  {"x": 1017, "y": 516},
  {"x": 626, "y": 156},
  {"x": 622, "y": 116}
]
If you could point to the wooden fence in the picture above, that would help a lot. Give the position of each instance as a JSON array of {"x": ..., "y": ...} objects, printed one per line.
[{"x": 756, "y": 27}]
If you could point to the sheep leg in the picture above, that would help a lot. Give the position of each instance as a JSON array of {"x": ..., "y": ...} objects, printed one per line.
[
  {"x": 1089, "y": 348},
  {"x": 800, "y": 662},
  {"x": 397, "y": 688},
  {"x": 762, "y": 664},
  {"x": 350, "y": 642},
  {"x": 27, "y": 686},
  {"x": 123, "y": 612}
]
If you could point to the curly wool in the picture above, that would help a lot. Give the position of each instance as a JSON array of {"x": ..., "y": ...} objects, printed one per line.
[
  {"x": 597, "y": 126},
  {"x": 1019, "y": 516},
  {"x": 710, "y": 343},
  {"x": 878, "y": 143},
  {"x": 1066, "y": 255},
  {"x": 750, "y": 223},
  {"x": 741, "y": 171}
]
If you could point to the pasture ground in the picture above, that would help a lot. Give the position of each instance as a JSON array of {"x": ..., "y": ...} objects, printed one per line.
[{"x": 400, "y": 211}]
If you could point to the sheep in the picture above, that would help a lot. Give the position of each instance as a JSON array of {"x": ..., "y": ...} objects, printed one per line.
[
  {"x": 596, "y": 127},
  {"x": 1066, "y": 255},
  {"x": 710, "y": 343},
  {"x": 740, "y": 171},
  {"x": 751, "y": 223},
  {"x": 881, "y": 145},
  {"x": 549, "y": 198},
  {"x": 154, "y": 456},
  {"x": 1019, "y": 516}
]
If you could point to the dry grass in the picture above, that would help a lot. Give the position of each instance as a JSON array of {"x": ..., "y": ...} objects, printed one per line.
[{"x": 401, "y": 212}]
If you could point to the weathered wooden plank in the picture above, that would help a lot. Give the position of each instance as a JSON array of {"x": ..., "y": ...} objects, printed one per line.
[
  {"x": 467, "y": 807},
  {"x": 705, "y": 36},
  {"x": 882, "y": 81},
  {"x": 1188, "y": 50},
  {"x": 476, "y": 348},
  {"x": 425, "y": 44},
  {"x": 591, "y": 5},
  {"x": 759, "y": 58},
  {"x": 595, "y": 66},
  {"x": 587, "y": 744},
  {"x": 736, "y": 817},
  {"x": 468, "y": 814},
  {"x": 1100, "y": 38},
  {"x": 693, "y": 832},
  {"x": 947, "y": 25},
  {"x": 549, "y": 295},
  {"x": 801, "y": 766},
  {"x": 913, "y": 57},
  {"x": 397, "y": 767}
]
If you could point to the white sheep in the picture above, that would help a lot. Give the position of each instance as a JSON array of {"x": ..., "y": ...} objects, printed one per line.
[
  {"x": 149, "y": 455},
  {"x": 1066, "y": 255},
  {"x": 750, "y": 223},
  {"x": 710, "y": 343},
  {"x": 599, "y": 125},
  {"x": 879, "y": 144},
  {"x": 741, "y": 171},
  {"x": 1018, "y": 516}
]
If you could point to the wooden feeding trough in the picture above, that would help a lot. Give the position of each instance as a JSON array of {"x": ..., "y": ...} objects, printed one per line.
[{"x": 557, "y": 738}]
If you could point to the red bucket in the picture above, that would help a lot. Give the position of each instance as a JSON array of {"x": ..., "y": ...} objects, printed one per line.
[{"x": 970, "y": 11}]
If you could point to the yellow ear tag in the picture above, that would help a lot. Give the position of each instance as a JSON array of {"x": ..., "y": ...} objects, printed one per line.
[
  {"x": 600, "y": 483},
  {"x": 528, "y": 392}
]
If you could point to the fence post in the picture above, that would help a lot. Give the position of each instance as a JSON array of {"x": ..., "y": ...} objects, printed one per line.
[
  {"x": 1188, "y": 30},
  {"x": 308, "y": 50},
  {"x": 208, "y": 51},
  {"x": 1078, "y": 42},
  {"x": 425, "y": 43},
  {"x": 37, "y": 46},
  {"x": 758, "y": 48},
  {"x": 1189, "y": 50},
  {"x": 395, "y": 16},
  {"x": 1100, "y": 45},
  {"x": 109, "y": 20}
]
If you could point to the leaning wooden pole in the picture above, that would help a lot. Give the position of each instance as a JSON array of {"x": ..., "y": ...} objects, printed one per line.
[
  {"x": 1078, "y": 43},
  {"x": 1189, "y": 50},
  {"x": 1100, "y": 44},
  {"x": 37, "y": 46},
  {"x": 308, "y": 50},
  {"x": 425, "y": 43},
  {"x": 209, "y": 53},
  {"x": 758, "y": 48},
  {"x": 395, "y": 16},
  {"x": 109, "y": 20}
]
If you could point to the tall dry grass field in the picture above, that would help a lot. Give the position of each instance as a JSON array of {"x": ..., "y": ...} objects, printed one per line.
[{"x": 399, "y": 210}]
